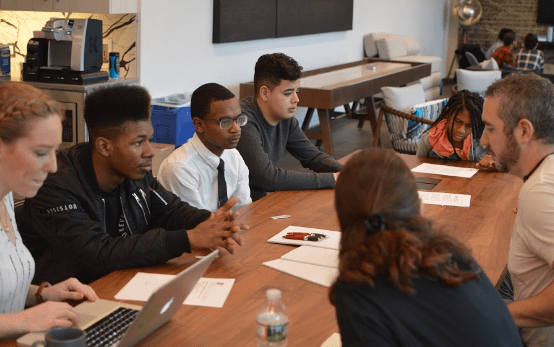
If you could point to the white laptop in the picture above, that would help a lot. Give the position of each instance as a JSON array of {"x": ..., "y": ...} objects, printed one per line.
[{"x": 160, "y": 308}]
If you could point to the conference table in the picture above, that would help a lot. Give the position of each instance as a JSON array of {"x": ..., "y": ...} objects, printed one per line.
[
  {"x": 485, "y": 227},
  {"x": 326, "y": 88}
]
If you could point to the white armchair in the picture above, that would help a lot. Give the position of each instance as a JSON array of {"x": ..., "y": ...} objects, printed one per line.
[
  {"x": 476, "y": 81},
  {"x": 404, "y": 48}
]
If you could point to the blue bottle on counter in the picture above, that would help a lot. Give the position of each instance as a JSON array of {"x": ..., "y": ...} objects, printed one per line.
[
  {"x": 5, "y": 71},
  {"x": 114, "y": 64}
]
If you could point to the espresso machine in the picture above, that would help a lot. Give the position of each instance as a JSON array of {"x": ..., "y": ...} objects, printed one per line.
[{"x": 66, "y": 50}]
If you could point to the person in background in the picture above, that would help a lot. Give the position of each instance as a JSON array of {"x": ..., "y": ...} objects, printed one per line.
[
  {"x": 455, "y": 134},
  {"x": 30, "y": 133},
  {"x": 530, "y": 58},
  {"x": 401, "y": 282},
  {"x": 519, "y": 130},
  {"x": 503, "y": 55},
  {"x": 498, "y": 43},
  {"x": 272, "y": 129},
  {"x": 193, "y": 171},
  {"x": 103, "y": 210}
]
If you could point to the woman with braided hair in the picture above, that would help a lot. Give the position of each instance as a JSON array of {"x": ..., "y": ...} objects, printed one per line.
[
  {"x": 30, "y": 134},
  {"x": 455, "y": 134},
  {"x": 402, "y": 283}
]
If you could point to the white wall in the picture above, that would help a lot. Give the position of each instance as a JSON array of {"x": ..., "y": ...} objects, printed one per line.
[{"x": 177, "y": 53}]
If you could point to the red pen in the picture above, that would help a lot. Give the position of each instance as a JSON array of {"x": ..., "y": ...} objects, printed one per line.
[{"x": 304, "y": 236}]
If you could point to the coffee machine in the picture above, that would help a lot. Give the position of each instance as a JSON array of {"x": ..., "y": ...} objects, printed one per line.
[{"x": 66, "y": 50}]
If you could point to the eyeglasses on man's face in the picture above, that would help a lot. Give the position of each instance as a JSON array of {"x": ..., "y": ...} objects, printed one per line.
[{"x": 226, "y": 122}]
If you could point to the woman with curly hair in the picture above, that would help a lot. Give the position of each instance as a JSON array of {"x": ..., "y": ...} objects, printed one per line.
[
  {"x": 402, "y": 283},
  {"x": 455, "y": 134}
]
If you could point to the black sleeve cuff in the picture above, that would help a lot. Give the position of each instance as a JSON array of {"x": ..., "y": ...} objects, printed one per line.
[{"x": 177, "y": 242}]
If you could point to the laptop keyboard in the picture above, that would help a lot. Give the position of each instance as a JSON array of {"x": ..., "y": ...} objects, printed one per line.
[{"x": 111, "y": 328}]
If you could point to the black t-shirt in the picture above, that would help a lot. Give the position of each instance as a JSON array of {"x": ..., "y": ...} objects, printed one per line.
[
  {"x": 115, "y": 221},
  {"x": 471, "y": 314}
]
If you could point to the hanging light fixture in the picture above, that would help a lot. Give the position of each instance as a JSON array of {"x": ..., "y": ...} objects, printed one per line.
[{"x": 467, "y": 12}]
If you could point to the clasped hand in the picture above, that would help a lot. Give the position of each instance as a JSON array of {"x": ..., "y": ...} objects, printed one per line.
[{"x": 219, "y": 230}]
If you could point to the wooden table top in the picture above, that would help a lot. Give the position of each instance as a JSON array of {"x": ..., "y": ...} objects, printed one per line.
[
  {"x": 350, "y": 75},
  {"x": 485, "y": 227},
  {"x": 338, "y": 85}
]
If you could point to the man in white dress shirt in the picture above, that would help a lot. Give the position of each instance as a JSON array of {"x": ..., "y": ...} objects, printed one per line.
[{"x": 195, "y": 171}]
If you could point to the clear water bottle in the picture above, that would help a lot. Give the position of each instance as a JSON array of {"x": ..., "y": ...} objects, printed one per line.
[{"x": 272, "y": 321}]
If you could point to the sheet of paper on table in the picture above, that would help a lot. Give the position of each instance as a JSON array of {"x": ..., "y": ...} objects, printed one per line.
[
  {"x": 444, "y": 199},
  {"x": 333, "y": 341},
  {"x": 445, "y": 170},
  {"x": 322, "y": 275},
  {"x": 314, "y": 255},
  {"x": 210, "y": 292},
  {"x": 314, "y": 264},
  {"x": 332, "y": 240}
]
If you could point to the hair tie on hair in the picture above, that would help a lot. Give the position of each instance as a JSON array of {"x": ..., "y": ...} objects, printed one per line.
[{"x": 375, "y": 223}]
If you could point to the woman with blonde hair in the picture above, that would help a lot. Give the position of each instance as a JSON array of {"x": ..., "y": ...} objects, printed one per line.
[
  {"x": 402, "y": 283},
  {"x": 30, "y": 134}
]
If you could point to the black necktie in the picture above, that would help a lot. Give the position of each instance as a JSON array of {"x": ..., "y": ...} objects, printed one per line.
[{"x": 221, "y": 185}]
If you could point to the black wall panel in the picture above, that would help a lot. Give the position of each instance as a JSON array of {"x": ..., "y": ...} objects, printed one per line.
[
  {"x": 304, "y": 17},
  {"x": 244, "y": 20}
]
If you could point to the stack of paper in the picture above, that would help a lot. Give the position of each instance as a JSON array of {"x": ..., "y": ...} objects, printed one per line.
[
  {"x": 314, "y": 261},
  {"x": 322, "y": 275},
  {"x": 314, "y": 255}
]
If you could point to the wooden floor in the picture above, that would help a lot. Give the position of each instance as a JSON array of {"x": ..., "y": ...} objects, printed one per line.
[{"x": 347, "y": 137}]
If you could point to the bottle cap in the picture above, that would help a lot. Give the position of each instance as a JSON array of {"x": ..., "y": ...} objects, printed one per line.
[{"x": 273, "y": 294}]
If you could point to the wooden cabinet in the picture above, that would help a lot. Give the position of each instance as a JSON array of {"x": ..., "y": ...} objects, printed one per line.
[{"x": 87, "y": 6}]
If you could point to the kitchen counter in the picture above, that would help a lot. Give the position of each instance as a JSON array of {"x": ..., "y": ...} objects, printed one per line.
[
  {"x": 79, "y": 88},
  {"x": 71, "y": 99}
]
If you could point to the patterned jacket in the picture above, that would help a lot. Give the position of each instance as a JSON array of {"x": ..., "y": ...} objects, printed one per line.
[{"x": 504, "y": 55}]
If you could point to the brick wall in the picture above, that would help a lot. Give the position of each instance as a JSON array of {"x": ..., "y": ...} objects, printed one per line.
[{"x": 519, "y": 15}]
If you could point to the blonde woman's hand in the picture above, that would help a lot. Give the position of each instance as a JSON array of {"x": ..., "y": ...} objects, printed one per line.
[
  {"x": 47, "y": 315},
  {"x": 70, "y": 289}
]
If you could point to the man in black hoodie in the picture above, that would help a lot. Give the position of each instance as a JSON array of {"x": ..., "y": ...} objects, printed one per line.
[{"x": 104, "y": 211}]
